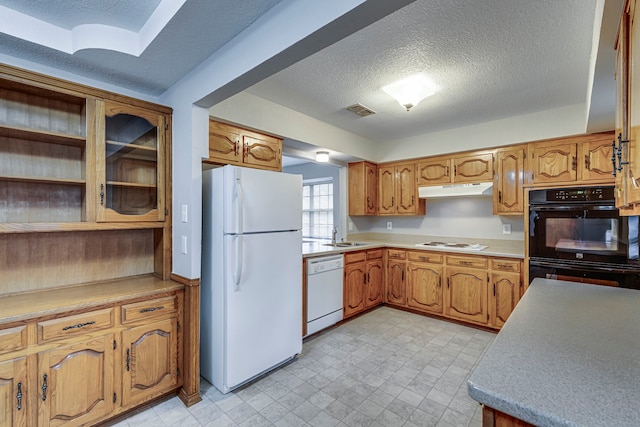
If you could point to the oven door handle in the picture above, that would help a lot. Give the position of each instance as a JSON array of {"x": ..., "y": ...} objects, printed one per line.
[{"x": 552, "y": 208}]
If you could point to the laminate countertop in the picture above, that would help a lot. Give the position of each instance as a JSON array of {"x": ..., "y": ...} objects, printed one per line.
[
  {"x": 569, "y": 355},
  {"x": 495, "y": 247}
]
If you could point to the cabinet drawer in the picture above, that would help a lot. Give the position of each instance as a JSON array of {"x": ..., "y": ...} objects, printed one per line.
[
  {"x": 374, "y": 254},
  {"x": 351, "y": 257},
  {"x": 75, "y": 325},
  {"x": 425, "y": 257},
  {"x": 158, "y": 307},
  {"x": 397, "y": 254},
  {"x": 505, "y": 265},
  {"x": 12, "y": 339},
  {"x": 464, "y": 261}
]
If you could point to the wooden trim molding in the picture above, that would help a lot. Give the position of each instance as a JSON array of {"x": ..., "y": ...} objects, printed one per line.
[{"x": 190, "y": 391}]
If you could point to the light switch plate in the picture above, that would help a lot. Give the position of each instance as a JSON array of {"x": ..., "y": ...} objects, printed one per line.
[
  {"x": 506, "y": 228},
  {"x": 389, "y": 225},
  {"x": 184, "y": 245},
  {"x": 184, "y": 213}
]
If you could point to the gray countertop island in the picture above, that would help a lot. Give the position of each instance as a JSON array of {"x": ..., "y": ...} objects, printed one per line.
[{"x": 569, "y": 355}]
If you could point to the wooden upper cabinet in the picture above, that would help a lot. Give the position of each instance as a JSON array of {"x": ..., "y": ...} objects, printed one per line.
[
  {"x": 596, "y": 157},
  {"x": 553, "y": 161},
  {"x": 398, "y": 190},
  {"x": 229, "y": 144},
  {"x": 508, "y": 194},
  {"x": 473, "y": 168},
  {"x": 225, "y": 143},
  {"x": 363, "y": 188},
  {"x": 574, "y": 159},
  {"x": 131, "y": 163},
  {"x": 434, "y": 172}
]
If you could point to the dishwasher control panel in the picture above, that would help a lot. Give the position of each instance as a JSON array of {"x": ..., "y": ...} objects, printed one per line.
[{"x": 326, "y": 263}]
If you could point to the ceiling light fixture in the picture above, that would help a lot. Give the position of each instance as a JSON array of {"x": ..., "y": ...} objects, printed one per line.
[
  {"x": 411, "y": 90},
  {"x": 322, "y": 156}
]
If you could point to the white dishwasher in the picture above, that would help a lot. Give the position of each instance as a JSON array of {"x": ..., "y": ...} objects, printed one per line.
[{"x": 324, "y": 292}]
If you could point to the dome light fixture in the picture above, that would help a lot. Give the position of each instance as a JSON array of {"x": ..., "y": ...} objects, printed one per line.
[
  {"x": 411, "y": 90},
  {"x": 322, "y": 156}
]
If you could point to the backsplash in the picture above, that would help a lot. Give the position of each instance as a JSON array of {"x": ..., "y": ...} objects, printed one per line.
[{"x": 469, "y": 217}]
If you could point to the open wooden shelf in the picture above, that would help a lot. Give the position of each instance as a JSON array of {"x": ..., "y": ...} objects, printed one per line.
[
  {"x": 42, "y": 180},
  {"x": 14, "y": 228},
  {"x": 42, "y": 136}
]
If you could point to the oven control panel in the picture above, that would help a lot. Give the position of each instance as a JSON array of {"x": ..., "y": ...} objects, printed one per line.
[{"x": 583, "y": 194}]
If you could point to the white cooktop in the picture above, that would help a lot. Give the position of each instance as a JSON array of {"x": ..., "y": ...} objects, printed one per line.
[{"x": 453, "y": 246}]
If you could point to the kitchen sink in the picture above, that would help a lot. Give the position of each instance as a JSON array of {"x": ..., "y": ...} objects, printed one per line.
[{"x": 344, "y": 244}]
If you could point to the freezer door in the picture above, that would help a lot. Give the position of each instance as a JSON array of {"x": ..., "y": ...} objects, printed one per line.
[
  {"x": 258, "y": 201},
  {"x": 263, "y": 287}
]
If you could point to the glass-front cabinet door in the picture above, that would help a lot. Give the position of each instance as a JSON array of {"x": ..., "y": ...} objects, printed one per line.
[{"x": 130, "y": 167}]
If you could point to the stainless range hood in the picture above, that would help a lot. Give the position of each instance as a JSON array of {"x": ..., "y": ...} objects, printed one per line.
[{"x": 482, "y": 189}]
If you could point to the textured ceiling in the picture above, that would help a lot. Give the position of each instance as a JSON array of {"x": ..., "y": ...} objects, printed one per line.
[
  {"x": 491, "y": 59},
  {"x": 198, "y": 29}
]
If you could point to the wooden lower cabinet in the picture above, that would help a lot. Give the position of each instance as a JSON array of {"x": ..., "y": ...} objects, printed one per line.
[
  {"x": 75, "y": 383},
  {"x": 354, "y": 277},
  {"x": 363, "y": 281},
  {"x": 150, "y": 355},
  {"x": 396, "y": 288},
  {"x": 424, "y": 287},
  {"x": 494, "y": 418},
  {"x": 466, "y": 294},
  {"x": 71, "y": 370},
  {"x": 505, "y": 296},
  {"x": 13, "y": 388}
]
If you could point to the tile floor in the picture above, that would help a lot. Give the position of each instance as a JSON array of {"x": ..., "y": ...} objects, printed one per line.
[{"x": 385, "y": 368}]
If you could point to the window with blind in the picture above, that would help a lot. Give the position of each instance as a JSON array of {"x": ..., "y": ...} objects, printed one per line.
[{"x": 317, "y": 209}]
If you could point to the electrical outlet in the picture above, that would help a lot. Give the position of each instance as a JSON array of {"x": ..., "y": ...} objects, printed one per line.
[
  {"x": 506, "y": 228},
  {"x": 184, "y": 245},
  {"x": 389, "y": 225},
  {"x": 350, "y": 226}
]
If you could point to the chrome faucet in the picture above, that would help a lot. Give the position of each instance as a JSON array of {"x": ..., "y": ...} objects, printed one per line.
[{"x": 334, "y": 235}]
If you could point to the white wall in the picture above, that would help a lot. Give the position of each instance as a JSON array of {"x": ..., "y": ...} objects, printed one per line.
[
  {"x": 258, "y": 113},
  {"x": 469, "y": 217},
  {"x": 530, "y": 127}
]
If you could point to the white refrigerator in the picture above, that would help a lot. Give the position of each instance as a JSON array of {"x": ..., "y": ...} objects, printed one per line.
[{"x": 251, "y": 284}]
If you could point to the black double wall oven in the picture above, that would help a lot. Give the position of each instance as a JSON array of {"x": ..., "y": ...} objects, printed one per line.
[{"x": 577, "y": 234}]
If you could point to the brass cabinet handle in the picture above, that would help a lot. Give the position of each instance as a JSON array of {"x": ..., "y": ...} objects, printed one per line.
[
  {"x": 466, "y": 262},
  {"x": 574, "y": 162},
  {"x": 44, "y": 387},
  {"x": 128, "y": 359},
  {"x": 494, "y": 289},
  {"x": 236, "y": 146},
  {"x": 79, "y": 325},
  {"x": 446, "y": 171},
  {"x": 101, "y": 194},
  {"x": 19, "y": 397},
  {"x": 587, "y": 164},
  {"x": 392, "y": 201},
  {"x": 147, "y": 310},
  {"x": 499, "y": 196}
]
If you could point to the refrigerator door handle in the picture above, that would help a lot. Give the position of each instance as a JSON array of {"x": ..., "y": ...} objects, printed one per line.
[
  {"x": 239, "y": 201},
  {"x": 237, "y": 276}
]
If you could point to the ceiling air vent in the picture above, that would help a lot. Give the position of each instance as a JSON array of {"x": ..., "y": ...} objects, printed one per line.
[{"x": 360, "y": 110}]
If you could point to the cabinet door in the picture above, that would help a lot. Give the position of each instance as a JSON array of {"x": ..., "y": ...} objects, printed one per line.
[
  {"x": 262, "y": 151},
  {"x": 622, "y": 107},
  {"x": 505, "y": 296},
  {"x": 434, "y": 172},
  {"x": 476, "y": 168},
  {"x": 150, "y": 361},
  {"x": 363, "y": 188},
  {"x": 386, "y": 190},
  {"x": 406, "y": 189},
  {"x": 13, "y": 389},
  {"x": 75, "y": 383},
  {"x": 597, "y": 164},
  {"x": 424, "y": 287},
  {"x": 225, "y": 143},
  {"x": 131, "y": 163},
  {"x": 375, "y": 284},
  {"x": 354, "y": 277},
  {"x": 553, "y": 162},
  {"x": 508, "y": 195},
  {"x": 633, "y": 125},
  {"x": 395, "y": 283},
  {"x": 467, "y": 294}
]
